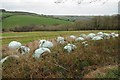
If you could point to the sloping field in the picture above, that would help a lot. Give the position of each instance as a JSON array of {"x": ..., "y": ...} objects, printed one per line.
[{"x": 27, "y": 20}]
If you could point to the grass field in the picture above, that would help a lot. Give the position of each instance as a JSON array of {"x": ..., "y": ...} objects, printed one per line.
[
  {"x": 15, "y": 20},
  {"x": 60, "y": 64},
  {"x": 25, "y": 37}
]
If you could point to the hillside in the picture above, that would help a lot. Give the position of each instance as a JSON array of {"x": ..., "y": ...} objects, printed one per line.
[
  {"x": 25, "y": 22},
  {"x": 15, "y": 19}
]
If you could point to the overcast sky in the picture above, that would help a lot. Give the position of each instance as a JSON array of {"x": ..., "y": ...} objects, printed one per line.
[{"x": 69, "y": 7}]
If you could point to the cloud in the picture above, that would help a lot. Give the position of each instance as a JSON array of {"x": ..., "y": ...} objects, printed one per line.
[{"x": 69, "y": 7}]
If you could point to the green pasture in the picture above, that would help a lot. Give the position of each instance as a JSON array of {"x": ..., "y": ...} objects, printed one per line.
[
  {"x": 25, "y": 37},
  {"x": 27, "y": 20}
]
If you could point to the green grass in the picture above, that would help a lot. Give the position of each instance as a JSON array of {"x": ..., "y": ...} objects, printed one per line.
[
  {"x": 25, "y": 37},
  {"x": 27, "y": 20},
  {"x": 6, "y": 14}
]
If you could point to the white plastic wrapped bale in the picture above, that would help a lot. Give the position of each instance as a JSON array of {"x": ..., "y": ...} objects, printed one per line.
[
  {"x": 112, "y": 35},
  {"x": 14, "y": 45},
  {"x": 97, "y": 38},
  {"x": 83, "y": 35},
  {"x": 70, "y": 47},
  {"x": 106, "y": 36},
  {"x": 84, "y": 43},
  {"x": 100, "y": 33},
  {"x": 40, "y": 51},
  {"x": 79, "y": 39},
  {"x": 61, "y": 40},
  {"x": 116, "y": 35},
  {"x": 24, "y": 50},
  {"x": 45, "y": 44},
  {"x": 72, "y": 36},
  {"x": 4, "y": 59},
  {"x": 90, "y": 36}
]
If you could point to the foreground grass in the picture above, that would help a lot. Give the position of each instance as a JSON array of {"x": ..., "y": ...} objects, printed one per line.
[
  {"x": 60, "y": 64},
  {"x": 112, "y": 73}
]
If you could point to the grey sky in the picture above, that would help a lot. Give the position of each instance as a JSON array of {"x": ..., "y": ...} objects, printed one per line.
[{"x": 70, "y": 7}]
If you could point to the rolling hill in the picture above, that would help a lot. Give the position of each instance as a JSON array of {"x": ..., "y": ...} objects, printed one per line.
[
  {"x": 14, "y": 19},
  {"x": 26, "y": 21}
]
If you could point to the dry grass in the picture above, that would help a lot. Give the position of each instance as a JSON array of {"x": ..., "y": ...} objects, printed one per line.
[
  {"x": 101, "y": 71},
  {"x": 60, "y": 64}
]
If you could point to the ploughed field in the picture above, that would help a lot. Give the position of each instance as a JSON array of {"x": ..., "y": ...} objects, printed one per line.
[{"x": 99, "y": 59}]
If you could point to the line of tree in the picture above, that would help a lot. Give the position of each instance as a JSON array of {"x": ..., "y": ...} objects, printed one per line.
[{"x": 99, "y": 23}]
